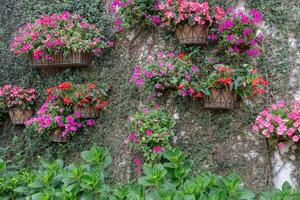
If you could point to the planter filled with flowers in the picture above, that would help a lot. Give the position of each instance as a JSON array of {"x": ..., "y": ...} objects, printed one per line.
[
  {"x": 167, "y": 71},
  {"x": 88, "y": 99},
  {"x": 20, "y": 102},
  {"x": 191, "y": 20},
  {"x": 280, "y": 123},
  {"x": 226, "y": 84},
  {"x": 57, "y": 117},
  {"x": 59, "y": 40}
]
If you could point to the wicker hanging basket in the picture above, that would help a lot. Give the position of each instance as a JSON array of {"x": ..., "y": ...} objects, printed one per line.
[
  {"x": 196, "y": 34},
  {"x": 19, "y": 116},
  {"x": 221, "y": 99},
  {"x": 56, "y": 136},
  {"x": 74, "y": 59},
  {"x": 87, "y": 111}
]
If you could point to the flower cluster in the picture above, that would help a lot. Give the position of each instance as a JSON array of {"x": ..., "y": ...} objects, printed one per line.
[
  {"x": 131, "y": 13},
  {"x": 58, "y": 33},
  {"x": 238, "y": 33},
  {"x": 151, "y": 133},
  {"x": 179, "y": 12},
  {"x": 168, "y": 71},
  {"x": 19, "y": 97},
  {"x": 53, "y": 115},
  {"x": 280, "y": 123},
  {"x": 82, "y": 95},
  {"x": 243, "y": 79}
]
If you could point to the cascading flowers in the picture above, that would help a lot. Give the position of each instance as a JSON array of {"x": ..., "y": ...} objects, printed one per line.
[
  {"x": 132, "y": 13},
  {"x": 280, "y": 123},
  {"x": 194, "y": 13},
  {"x": 168, "y": 70},
  {"x": 238, "y": 33},
  {"x": 58, "y": 33}
]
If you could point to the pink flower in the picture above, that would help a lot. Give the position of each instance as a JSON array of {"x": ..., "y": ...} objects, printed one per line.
[
  {"x": 149, "y": 132},
  {"x": 90, "y": 122},
  {"x": 157, "y": 149},
  {"x": 290, "y": 132},
  {"x": 295, "y": 138},
  {"x": 274, "y": 107},
  {"x": 281, "y": 145},
  {"x": 212, "y": 36},
  {"x": 137, "y": 162},
  {"x": 281, "y": 104},
  {"x": 230, "y": 37},
  {"x": 255, "y": 128},
  {"x": 132, "y": 137}
]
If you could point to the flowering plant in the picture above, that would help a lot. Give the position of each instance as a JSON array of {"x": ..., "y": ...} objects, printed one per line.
[
  {"x": 82, "y": 95},
  {"x": 18, "y": 97},
  {"x": 243, "y": 80},
  {"x": 58, "y": 33},
  {"x": 238, "y": 33},
  {"x": 280, "y": 123},
  {"x": 195, "y": 13},
  {"x": 131, "y": 13},
  {"x": 52, "y": 116},
  {"x": 151, "y": 133},
  {"x": 167, "y": 70}
]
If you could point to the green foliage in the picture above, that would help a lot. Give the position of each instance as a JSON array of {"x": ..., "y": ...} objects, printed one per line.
[
  {"x": 169, "y": 181},
  {"x": 286, "y": 193},
  {"x": 152, "y": 133}
]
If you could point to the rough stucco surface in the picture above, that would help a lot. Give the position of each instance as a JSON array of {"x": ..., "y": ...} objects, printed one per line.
[{"x": 218, "y": 141}]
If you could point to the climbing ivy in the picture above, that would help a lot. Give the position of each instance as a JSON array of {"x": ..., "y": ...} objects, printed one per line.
[{"x": 211, "y": 138}]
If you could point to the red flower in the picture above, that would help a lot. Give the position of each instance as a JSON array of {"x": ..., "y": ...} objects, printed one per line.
[
  {"x": 104, "y": 103},
  {"x": 199, "y": 95},
  {"x": 49, "y": 91},
  {"x": 65, "y": 85},
  {"x": 180, "y": 87},
  {"x": 224, "y": 81},
  {"x": 91, "y": 86},
  {"x": 181, "y": 55},
  {"x": 66, "y": 100}
]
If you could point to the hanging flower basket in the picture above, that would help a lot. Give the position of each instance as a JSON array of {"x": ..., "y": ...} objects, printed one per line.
[
  {"x": 56, "y": 136},
  {"x": 87, "y": 111},
  {"x": 196, "y": 34},
  {"x": 74, "y": 59},
  {"x": 221, "y": 99},
  {"x": 19, "y": 116}
]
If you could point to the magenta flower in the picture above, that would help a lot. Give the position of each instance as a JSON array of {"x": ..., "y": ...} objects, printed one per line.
[
  {"x": 212, "y": 36},
  {"x": 253, "y": 52},
  {"x": 157, "y": 149},
  {"x": 149, "y": 132},
  {"x": 156, "y": 20},
  {"x": 132, "y": 137},
  {"x": 230, "y": 37},
  {"x": 90, "y": 122},
  {"x": 137, "y": 162}
]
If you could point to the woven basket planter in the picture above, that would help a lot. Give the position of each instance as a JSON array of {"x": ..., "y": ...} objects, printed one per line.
[
  {"x": 221, "y": 99},
  {"x": 192, "y": 34},
  {"x": 86, "y": 112},
  {"x": 57, "y": 137},
  {"x": 74, "y": 59},
  {"x": 19, "y": 116}
]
